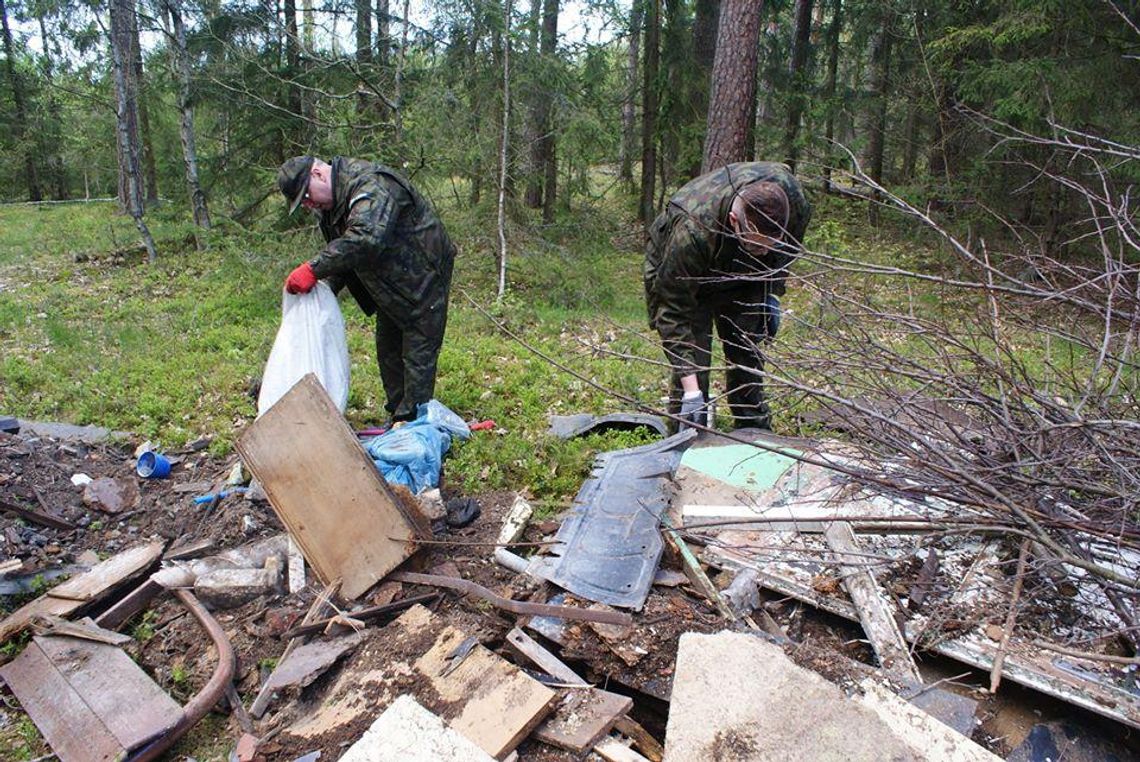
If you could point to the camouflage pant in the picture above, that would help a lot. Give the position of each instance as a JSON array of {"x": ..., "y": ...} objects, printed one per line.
[
  {"x": 407, "y": 356},
  {"x": 741, "y": 321}
]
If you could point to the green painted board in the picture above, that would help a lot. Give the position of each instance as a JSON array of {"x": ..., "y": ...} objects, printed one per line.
[{"x": 740, "y": 465}]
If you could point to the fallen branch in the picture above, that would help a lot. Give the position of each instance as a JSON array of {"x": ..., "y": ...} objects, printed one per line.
[{"x": 1010, "y": 617}]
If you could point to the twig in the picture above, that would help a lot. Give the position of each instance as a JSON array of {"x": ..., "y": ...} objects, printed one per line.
[{"x": 1010, "y": 617}]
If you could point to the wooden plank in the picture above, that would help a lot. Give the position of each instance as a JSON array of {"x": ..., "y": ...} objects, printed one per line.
[
  {"x": 641, "y": 738},
  {"x": 74, "y": 732},
  {"x": 874, "y": 611},
  {"x": 496, "y": 704},
  {"x": 129, "y": 704},
  {"x": 74, "y": 594},
  {"x": 546, "y": 661},
  {"x": 85, "y": 629},
  {"x": 327, "y": 491},
  {"x": 582, "y": 719},
  {"x": 612, "y": 750}
]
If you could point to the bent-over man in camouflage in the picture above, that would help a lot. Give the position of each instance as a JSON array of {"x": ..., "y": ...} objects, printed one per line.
[
  {"x": 719, "y": 254},
  {"x": 385, "y": 242}
]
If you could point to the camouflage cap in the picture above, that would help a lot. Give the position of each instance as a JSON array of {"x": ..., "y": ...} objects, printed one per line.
[{"x": 293, "y": 180}]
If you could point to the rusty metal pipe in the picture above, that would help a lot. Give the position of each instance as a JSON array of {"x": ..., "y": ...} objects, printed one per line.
[{"x": 211, "y": 693}]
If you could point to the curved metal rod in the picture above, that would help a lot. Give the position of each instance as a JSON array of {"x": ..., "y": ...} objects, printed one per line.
[{"x": 211, "y": 693}]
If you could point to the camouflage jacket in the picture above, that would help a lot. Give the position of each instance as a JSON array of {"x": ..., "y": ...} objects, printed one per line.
[
  {"x": 385, "y": 242},
  {"x": 693, "y": 257}
]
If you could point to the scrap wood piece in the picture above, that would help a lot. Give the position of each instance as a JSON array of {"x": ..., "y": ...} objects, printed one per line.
[
  {"x": 515, "y": 607},
  {"x": 303, "y": 666},
  {"x": 695, "y": 573},
  {"x": 85, "y": 629},
  {"x": 924, "y": 583},
  {"x": 646, "y": 743},
  {"x": 549, "y": 663},
  {"x": 78, "y": 592},
  {"x": 486, "y": 698},
  {"x": 409, "y": 733},
  {"x": 44, "y": 519},
  {"x": 327, "y": 491},
  {"x": 1033, "y": 671},
  {"x": 514, "y": 524},
  {"x": 582, "y": 719},
  {"x": 89, "y": 700},
  {"x": 874, "y": 611},
  {"x": 10, "y": 565},
  {"x": 613, "y": 750}
]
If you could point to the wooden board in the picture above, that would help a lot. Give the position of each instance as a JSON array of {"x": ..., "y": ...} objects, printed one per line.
[
  {"x": 77, "y": 592},
  {"x": 546, "y": 661},
  {"x": 582, "y": 719},
  {"x": 874, "y": 612},
  {"x": 483, "y": 697},
  {"x": 89, "y": 700},
  {"x": 327, "y": 491}
]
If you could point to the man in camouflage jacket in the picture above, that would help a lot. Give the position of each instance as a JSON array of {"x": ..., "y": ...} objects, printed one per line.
[
  {"x": 386, "y": 244},
  {"x": 719, "y": 254}
]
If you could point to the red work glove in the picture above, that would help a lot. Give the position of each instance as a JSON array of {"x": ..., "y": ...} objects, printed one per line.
[{"x": 301, "y": 280}]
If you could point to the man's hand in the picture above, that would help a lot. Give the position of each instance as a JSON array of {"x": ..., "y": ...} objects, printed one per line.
[
  {"x": 301, "y": 280},
  {"x": 694, "y": 409}
]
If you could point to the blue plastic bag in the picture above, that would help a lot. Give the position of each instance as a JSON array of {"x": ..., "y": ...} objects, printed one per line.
[{"x": 412, "y": 455}]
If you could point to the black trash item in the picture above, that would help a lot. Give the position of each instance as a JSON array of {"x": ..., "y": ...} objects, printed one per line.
[
  {"x": 9, "y": 425},
  {"x": 461, "y": 511}
]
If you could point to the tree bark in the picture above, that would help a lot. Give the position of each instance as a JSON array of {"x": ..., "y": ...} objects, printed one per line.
[
  {"x": 149, "y": 166},
  {"x": 880, "y": 85},
  {"x": 647, "y": 207},
  {"x": 19, "y": 129},
  {"x": 503, "y": 148},
  {"x": 383, "y": 32},
  {"x": 629, "y": 105},
  {"x": 364, "y": 58},
  {"x": 799, "y": 80},
  {"x": 181, "y": 63},
  {"x": 733, "y": 89},
  {"x": 829, "y": 88},
  {"x": 126, "y": 117},
  {"x": 544, "y": 161}
]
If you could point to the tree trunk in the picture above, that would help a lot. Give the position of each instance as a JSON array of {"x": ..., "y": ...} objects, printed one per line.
[
  {"x": 150, "y": 170},
  {"x": 733, "y": 90},
  {"x": 401, "y": 61},
  {"x": 293, "y": 70},
  {"x": 799, "y": 80},
  {"x": 880, "y": 85},
  {"x": 181, "y": 65},
  {"x": 532, "y": 195},
  {"x": 31, "y": 170},
  {"x": 829, "y": 88},
  {"x": 503, "y": 148},
  {"x": 547, "y": 148},
  {"x": 364, "y": 111},
  {"x": 629, "y": 105},
  {"x": 57, "y": 176},
  {"x": 126, "y": 115},
  {"x": 383, "y": 32},
  {"x": 647, "y": 207}
]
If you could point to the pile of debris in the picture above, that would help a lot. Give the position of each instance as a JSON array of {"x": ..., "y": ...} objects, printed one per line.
[{"x": 684, "y": 608}]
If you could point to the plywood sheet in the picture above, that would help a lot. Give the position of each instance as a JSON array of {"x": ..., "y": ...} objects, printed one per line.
[
  {"x": 77, "y": 592},
  {"x": 327, "y": 491},
  {"x": 89, "y": 699}
]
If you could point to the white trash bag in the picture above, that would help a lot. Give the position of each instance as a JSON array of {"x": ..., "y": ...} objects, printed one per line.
[{"x": 310, "y": 340}]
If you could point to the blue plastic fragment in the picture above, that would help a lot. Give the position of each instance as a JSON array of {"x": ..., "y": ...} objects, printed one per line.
[{"x": 412, "y": 455}]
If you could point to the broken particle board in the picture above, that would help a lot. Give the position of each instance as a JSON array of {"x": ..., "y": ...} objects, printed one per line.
[
  {"x": 584, "y": 717},
  {"x": 327, "y": 491},
  {"x": 89, "y": 700},
  {"x": 483, "y": 697},
  {"x": 77, "y": 592}
]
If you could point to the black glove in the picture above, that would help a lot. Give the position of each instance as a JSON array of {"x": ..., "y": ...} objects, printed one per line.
[
  {"x": 694, "y": 409},
  {"x": 772, "y": 312}
]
